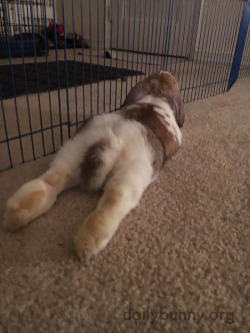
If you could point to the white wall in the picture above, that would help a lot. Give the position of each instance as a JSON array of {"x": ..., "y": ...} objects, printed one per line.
[
  {"x": 154, "y": 22},
  {"x": 197, "y": 28},
  {"x": 218, "y": 29}
]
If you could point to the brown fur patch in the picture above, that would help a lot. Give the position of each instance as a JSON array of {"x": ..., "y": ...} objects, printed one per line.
[
  {"x": 147, "y": 116},
  {"x": 101, "y": 219},
  {"x": 166, "y": 84},
  {"x": 99, "y": 223},
  {"x": 158, "y": 158},
  {"x": 31, "y": 200},
  {"x": 17, "y": 213},
  {"x": 111, "y": 198},
  {"x": 98, "y": 227},
  {"x": 91, "y": 162},
  {"x": 168, "y": 90}
]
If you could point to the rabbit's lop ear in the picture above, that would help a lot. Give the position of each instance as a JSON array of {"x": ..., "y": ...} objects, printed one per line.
[
  {"x": 180, "y": 111},
  {"x": 137, "y": 93},
  {"x": 175, "y": 102},
  {"x": 170, "y": 90}
]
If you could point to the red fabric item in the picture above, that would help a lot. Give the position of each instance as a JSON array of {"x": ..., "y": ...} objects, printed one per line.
[{"x": 59, "y": 28}]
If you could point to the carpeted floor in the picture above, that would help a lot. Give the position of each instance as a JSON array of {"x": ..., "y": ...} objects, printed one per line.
[{"x": 178, "y": 262}]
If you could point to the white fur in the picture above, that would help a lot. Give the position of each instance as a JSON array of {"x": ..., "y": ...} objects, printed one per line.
[
  {"x": 165, "y": 72},
  {"x": 124, "y": 135}
]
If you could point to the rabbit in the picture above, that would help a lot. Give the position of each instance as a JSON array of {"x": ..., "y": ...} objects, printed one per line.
[{"x": 120, "y": 153}]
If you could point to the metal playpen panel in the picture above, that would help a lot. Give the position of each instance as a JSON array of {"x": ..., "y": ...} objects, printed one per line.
[{"x": 64, "y": 61}]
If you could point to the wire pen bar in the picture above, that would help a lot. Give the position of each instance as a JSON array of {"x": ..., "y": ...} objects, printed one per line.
[
  {"x": 58, "y": 73},
  {"x": 129, "y": 15},
  {"x": 143, "y": 35},
  {"x": 178, "y": 40},
  {"x": 241, "y": 39},
  {"x": 23, "y": 135},
  {"x": 25, "y": 80},
  {"x": 152, "y": 31},
  {"x": 159, "y": 37},
  {"x": 82, "y": 59},
  {"x": 4, "y": 23},
  {"x": 104, "y": 47},
  {"x": 98, "y": 54},
  {"x": 245, "y": 66},
  {"x": 111, "y": 54},
  {"x": 90, "y": 60},
  {"x": 133, "y": 47},
  {"x": 213, "y": 32},
  {"x": 168, "y": 35},
  {"x": 157, "y": 33},
  {"x": 95, "y": 51},
  {"x": 138, "y": 43},
  {"x": 6, "y": 140},
  {"x": 203, "y": 55},
  {"x": 74, "y": 49},
  {"x": 182, "y": 45},
  {"x": 228, "y": 48},
  {"x": 44, "y": 22},
  {"x": 123, "y": 42},
  {"x": 117, "y": 43},
  {"x": 37, "y": 75},
  {"x": 171, "y": 44},
  {"x": 213, "y": 74},
  {"x": 66, "y": 67}
]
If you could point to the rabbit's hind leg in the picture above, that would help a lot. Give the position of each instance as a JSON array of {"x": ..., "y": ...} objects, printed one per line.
[{"x": 35, "y": 198}]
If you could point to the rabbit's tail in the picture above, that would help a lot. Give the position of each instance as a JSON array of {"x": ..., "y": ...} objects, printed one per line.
[{"x": 99, "y": 161}]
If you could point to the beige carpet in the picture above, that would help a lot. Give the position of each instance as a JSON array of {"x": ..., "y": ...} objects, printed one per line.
[{"x": 178, "y": 262}]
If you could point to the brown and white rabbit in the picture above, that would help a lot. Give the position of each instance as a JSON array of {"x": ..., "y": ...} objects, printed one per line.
[{"x": 120, "y": 153}]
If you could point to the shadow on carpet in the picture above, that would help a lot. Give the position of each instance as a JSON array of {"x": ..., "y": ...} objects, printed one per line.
[{"x": 48, "y": 76}]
